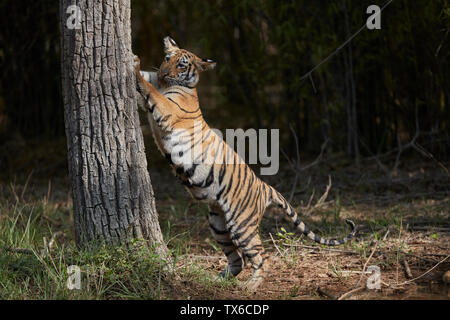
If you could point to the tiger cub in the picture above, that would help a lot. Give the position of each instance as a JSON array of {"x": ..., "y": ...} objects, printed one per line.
[{"x": 216, "y": 174}]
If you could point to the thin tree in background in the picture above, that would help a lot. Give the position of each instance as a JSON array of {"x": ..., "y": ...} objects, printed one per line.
[
  {"x": 350, "y": 96},
  {"x": 112, "y": 192}
]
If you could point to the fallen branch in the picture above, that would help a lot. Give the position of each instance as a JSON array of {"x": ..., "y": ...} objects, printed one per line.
[
  {"x": 408, "y": 254},
  {"x": 424, "y": 152},
  {"x": 422, "y": 275},
  {"x": 408, "y": 273},
  {"x": 428, "y": 228},
  {"x": 320, "y": 203},
  {"x": 355, "y": 272},
  {"x": 321, "y": 249},
  {"x": 365, "y": 265},
  {"x": 434, "y": 254},
  {"x": 203, "y": 257},
  {"x": 351, "y": 292}
]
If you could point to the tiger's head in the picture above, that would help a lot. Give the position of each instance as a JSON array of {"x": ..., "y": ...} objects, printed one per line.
[{"x": 181, "y": 67}]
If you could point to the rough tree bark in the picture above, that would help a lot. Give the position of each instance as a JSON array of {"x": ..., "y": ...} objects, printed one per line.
[{"x": 112, "y": 192}]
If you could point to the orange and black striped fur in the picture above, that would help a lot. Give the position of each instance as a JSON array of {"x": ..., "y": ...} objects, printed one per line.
[{"x": 236, "y": 197}]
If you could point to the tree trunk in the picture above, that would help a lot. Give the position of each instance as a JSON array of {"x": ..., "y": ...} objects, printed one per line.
[
  {"x": 352, "y": 139},
  {"x": 112, "y": 192}
]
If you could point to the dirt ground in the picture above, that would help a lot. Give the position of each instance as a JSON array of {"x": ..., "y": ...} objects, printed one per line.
[
  {"x": 404, "y": 228},
  {"x": 336, "y": 273},
  {"x": 403, "y": 221}
]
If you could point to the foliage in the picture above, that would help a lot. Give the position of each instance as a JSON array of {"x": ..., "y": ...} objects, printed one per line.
[
  {"x": 130, "y": 271},
  {"x": 263, "y": 48}
]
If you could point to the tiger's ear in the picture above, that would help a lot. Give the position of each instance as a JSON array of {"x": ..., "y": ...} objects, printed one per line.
[
  {"x": 170, "y": 45},
  {"x": 205, "y": 64}
]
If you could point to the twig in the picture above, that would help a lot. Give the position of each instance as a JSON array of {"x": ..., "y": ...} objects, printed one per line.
[
  {"x": 370, "y": 257},
  {"x": 408, "y": 273},
  {"x": 203, "y": 257},
  {"x": 49, "y": 188},
  {"x": 351, "y": 292},
  {"x": 325, "y": 195},
  {"x": 417, "y": 278},
  {"x": 434, "y": 254},
  {"x": 398, "y": 247},
  {"x": 320, "y": 203},
  {"x": 308, "y": 74},
  {"x": 424, "y": 152},
  {"x": 304, "y": 188},
  {"x": 355, "y": 272},
  {"x": 13, "y": 190},
  {"x": 376, "y": 157},
  {"x": 26, "y": 184},
  {"x": 386, "y": 234},
  {"x": 276, "y": 247},
  {"x": 319, "y": 157},
  {"x": 48, "y": 247},
  {"x": 416, "y": 256},
  {"x": 442, "y": 42},
  {"x": 308, "y": 166},
  {"x": 296, "y": 167},
  {"x": 310, "y": 200},
  {"x": 365, "y": 264},
  {"x": 402, "y": 148},
  {"x": 427, "y": 228},
  {"x": 320, "y": 249},
  {"x": 52, "y": 240}
]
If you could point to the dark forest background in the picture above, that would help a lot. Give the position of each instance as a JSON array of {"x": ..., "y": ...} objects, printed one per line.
[{"x": 387, "y": 88}]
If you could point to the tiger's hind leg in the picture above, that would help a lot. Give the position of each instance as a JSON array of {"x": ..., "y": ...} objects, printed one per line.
[
  {"x": 254, "y": 251},
  {"x": 245, "y": 236},
  {"x": 236, "y": 260}
]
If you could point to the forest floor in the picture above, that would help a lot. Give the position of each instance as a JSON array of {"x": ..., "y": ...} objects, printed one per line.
[
  {"x": 403, "y": 222},
  {"x": 404, "y": 229}
]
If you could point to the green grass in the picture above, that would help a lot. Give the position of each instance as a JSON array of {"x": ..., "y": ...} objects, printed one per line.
[
  {"x": 130, "y": 271},
  {"x": 28, "y": 220}
]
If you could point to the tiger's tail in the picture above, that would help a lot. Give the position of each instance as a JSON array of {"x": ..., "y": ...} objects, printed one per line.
[{"x": 279, "y": 200}]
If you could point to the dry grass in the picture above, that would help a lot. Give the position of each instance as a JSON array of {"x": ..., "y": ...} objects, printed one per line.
[
  {"x": 405, "y": 219},
  {"x": 404, "y": 230}
]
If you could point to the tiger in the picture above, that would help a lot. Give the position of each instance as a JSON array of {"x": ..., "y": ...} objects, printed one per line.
[{"x": 235, "y": 195}]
